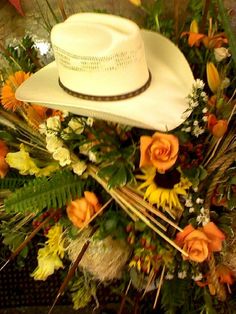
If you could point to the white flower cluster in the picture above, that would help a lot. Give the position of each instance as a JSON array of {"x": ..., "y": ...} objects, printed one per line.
[
  {"x": 189, "y": 204},
  {"x": 197, "y": 98},
  {"x": 204, "y": 217},
  {"x": 197, "y": 277},
  {"x": 182, "y": 274},
  {"x": 52, "y": 129},
  {"x": 193, "y": 206}
]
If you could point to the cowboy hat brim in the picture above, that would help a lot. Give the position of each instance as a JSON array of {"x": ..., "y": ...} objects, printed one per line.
[{"x": 160, "y": 107}]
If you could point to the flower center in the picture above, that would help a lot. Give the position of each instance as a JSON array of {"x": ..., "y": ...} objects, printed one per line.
[{"x": 167, "y": 180}]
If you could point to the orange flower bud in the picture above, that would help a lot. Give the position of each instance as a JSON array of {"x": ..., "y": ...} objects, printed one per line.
[
  {"x": 224, "y": 274},
  {"x": 220, "y": 128},
  {"x": 3, "y": 164},
  {"x": 217, "y": 127},
  {"x": 213, "y": 77}
]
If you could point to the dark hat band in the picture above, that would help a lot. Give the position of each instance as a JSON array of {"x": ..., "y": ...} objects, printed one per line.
[{"x": 108, "y": 98}]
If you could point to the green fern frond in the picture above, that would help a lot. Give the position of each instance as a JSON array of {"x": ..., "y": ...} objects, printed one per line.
[
  {"x": 44, "y": 192},
  {"x": 13, "y": 181}
]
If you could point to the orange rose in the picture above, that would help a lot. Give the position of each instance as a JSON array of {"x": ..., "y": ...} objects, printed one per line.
[
  {"x": 160, "y": 151},
  {"x": 3, "y": 164},
  {"x": 200, "y": 243},
  {"x": 81, "y": 210}
]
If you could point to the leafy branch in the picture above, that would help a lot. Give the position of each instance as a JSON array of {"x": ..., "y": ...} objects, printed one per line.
[{"x": 42, "y": 193}]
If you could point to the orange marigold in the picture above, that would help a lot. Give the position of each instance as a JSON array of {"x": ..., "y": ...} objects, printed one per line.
[{"x": 8, "y": 98}]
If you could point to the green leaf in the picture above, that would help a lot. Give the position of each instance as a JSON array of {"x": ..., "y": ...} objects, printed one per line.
[
  {"x": 4, "y": 135},
  {"x": 233, "y": 180},
  {"x": 43, "y": 193},
  {"x": 203, "y": 173},
  {"x": 13, "y": 181}
]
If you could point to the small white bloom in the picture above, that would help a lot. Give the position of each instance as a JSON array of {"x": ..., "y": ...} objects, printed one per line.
[
  {"x": 191, "y": 210},
  {"x": 182, "y": 274},
  {"x": 188, "y": 129},
  {"x": 225, "y": 83},
  {"x": 204, "y": 118},
  {"x": 193, "y": 104},
  {"x": 76, "y": 125},
  {"x": 198, "y": 131},
  {"x": 79, "y": 167},
  {"x": 198, "y": 84},
  {"x": 195, "y": 122},
  {"x": 53, "y": 143},
  {"x": 203, "y": 94},
  {"x": 65, "y": 134},
  {"x": 203, "y": 218},
  {"x": 197, "y": 277},
  {"x": 221, "y": 53},
  {"x": 205, "y": 221},
  {"x": 85, "y": 148},
  {"x": 169, "y": 276},
  {"x": 54, "y": 124},
  {"x": 43, "y": 128},
  {"x": 62, "y": 155},
  {"x": 202, "y": 210},
  {"x": 199, "y": 200},
  {"x": 42, "y": 46},
  {"x": 65, "y": 113},
  {"x": 92, "y": 156},
  {"x": 188, "y": 202},
  {"x": 204, "y": 110},
  {"x": 90, "y": 121}
]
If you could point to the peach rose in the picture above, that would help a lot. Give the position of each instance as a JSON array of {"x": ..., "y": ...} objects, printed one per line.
[
  {"x": 201, "y": 242},
  {"x": 81, "y": 210},
  {"x": 3, "y": 164},
  {"x": 160, "y": 151}
]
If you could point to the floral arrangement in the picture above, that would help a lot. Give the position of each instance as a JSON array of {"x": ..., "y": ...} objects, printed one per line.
[{"x": 154, "y": 210}]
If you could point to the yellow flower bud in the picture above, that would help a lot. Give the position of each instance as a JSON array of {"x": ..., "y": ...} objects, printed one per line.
[
  {"x": 194, "y": 27},
  {"x": 136, "y": 2},
  {"x": 213, "y": 77}
]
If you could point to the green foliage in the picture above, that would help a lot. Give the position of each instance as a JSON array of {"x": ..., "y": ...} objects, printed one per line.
[
  {"x": 195, "y": 175},
  {"x": 227, "y": 27},
  {"x": 112, "y": 223},
  {"x": 42, "y": 193},
  {"x": 13, "y": 231},
  {"x": 13, "y": 181},
  {"x": 23, "y": 56},
  {"x": 116, "y": 156},
  {"x": 82, "y": 291},
  {"x": 181, "y": 296},
  {"x": 118, "y": 174},
  {"x": 156, "y": 20}
]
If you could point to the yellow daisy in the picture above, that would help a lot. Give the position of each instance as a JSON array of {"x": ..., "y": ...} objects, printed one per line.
[
  {"x": 164, "y": 189},
  {"x": 8, "y": 98}
]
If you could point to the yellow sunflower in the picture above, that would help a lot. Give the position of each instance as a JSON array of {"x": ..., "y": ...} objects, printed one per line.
[
  {"x": 8, "y": 98},
  {"x": 157, "y": 191}
]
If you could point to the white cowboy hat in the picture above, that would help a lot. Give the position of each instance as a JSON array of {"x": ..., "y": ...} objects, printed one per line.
[{"x": 107, "y": 68}]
